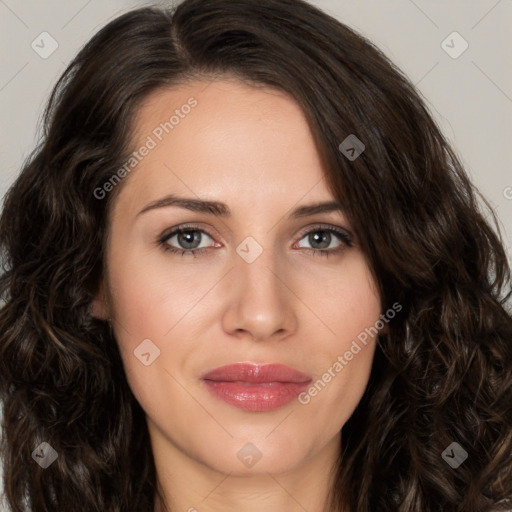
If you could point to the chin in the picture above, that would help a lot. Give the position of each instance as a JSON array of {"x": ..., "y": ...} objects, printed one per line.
[{"x": 257, "y": 457}]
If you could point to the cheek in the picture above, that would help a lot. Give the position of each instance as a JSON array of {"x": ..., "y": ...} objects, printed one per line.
[
  {"x": 148, "y": 299},
  {"x": 351, "y": 304},
  {"x": 344, "y": 359},
  {"x": 145, "y": 309},
  {"x": 151, "y": 302}
]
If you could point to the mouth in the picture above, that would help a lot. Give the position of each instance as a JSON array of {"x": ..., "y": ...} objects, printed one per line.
[{"x": 254, "y": 387}]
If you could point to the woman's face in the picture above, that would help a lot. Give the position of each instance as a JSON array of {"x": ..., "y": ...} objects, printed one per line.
[{"x": 253, "y": 291}]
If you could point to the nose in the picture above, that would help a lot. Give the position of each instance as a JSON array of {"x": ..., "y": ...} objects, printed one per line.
[{"x": 260, "y": 304}]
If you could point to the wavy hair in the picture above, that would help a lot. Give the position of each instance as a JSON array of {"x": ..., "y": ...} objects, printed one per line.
[{"x": 441, "y": 374}]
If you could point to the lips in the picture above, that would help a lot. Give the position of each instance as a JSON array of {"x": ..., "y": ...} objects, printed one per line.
[
  {"x": 267, "y": 373},
  {"x": 255, "y": 387}
]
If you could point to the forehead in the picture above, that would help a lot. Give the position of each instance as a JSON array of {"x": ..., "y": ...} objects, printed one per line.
[{"x": 224, "y": 140}]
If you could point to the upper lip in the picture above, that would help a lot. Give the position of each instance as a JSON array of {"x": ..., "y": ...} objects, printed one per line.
[{"x": 257, "y": 373}]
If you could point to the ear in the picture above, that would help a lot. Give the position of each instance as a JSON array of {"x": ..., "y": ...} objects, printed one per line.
[{"x": 99, "y": 306}]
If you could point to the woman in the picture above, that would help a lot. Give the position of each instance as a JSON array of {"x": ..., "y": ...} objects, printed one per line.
[{"x": 168, "y": 342}]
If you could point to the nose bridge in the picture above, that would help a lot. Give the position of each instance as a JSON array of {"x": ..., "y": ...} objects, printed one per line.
[
  {"x": 260, "y": 269},
  {"x": 261, "y": 303}
]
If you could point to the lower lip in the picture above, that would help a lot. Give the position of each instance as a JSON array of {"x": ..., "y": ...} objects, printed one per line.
[{"x": 256, "y": 396}]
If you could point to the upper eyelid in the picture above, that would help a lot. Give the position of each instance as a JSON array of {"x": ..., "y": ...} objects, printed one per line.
[{"x": 168, "y": 233}]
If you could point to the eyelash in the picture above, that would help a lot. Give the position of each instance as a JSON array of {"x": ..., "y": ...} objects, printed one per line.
[{"x": 344, "y": 237}]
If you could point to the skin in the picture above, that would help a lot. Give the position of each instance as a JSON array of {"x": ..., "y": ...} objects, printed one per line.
[{"x": 252, "y": 149}]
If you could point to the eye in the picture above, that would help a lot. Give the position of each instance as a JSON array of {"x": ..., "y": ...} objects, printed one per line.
[
  {"x": 322, "y": 237},
  {"x": 188, "y": 239}
]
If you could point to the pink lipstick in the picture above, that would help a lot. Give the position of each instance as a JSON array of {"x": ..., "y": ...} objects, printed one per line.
[{"x": 254, "y": 387}]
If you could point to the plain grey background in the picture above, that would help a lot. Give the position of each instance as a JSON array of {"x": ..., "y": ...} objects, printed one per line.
[{"x": 468, "y": 92}]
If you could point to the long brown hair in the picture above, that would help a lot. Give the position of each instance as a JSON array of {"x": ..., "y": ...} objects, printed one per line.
[{"x": 441, "y": 374}]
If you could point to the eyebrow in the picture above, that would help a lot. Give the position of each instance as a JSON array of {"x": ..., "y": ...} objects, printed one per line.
[{"x": 222, "y": 210}]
